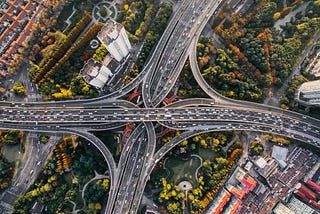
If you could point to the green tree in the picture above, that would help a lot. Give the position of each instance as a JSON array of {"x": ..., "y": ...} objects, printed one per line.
[
  {"x": 12, "y": 137},
  {"x": 18, "y": 89},
  {"x": 100, "y": 53},
  {"x": 220, "y": 163},
  {"x": 103, "y": 11},
  {"x": 256, "y": 148}
]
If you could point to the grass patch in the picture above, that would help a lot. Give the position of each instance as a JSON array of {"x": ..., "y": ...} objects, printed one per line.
[
  {"x": 64, "y": 15},
  {"x": 12, "y": 152},
  {"x": 207, "y": 154},
  {"x": 183, "y": 168},
  {"x": 110, "y": 142}
]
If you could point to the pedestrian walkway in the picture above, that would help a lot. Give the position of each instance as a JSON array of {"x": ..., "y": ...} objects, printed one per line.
[{"x": 110, "y": 8}]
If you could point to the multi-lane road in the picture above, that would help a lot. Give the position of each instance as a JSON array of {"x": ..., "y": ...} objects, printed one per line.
[
  {"x": 194, "y": 116},
  {"x": 185, "y": 118}
]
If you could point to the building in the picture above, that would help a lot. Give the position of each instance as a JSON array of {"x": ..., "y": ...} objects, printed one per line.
[
  {"x": 280, "y": 154},
  {"x": 114, "y": 37},
  {"x": 233, "y": 206},
  {"x": 298, "y": 206},
  {"x": 304, "y": 192},
  {"x": 313, "y": 185},
  {"x": 219, "y": 203},
  {"x": 242, "y": 184},
  {"x": 16, "y": 20},
  {"x": 278, "y": 186},
  {"x": 95, "y": 73},
  {"x": 266, "y": 166},
  {"x": 308, "y": 94},
  {"x": 280, "y": 208}
]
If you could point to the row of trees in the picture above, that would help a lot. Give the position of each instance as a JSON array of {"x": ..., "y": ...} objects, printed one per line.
[
  {"x": 156, "y": 29},
  {"x": 153, "y": 35},
  {"x": 81, "y": 42},
  {"x": 136, "y": 17},
  {"x": 302, "y": 29},
  {"x": 63, "y": 80},
  {"x": 6, "y": 173},
  {"x": 287, "y": 100},
  {"x": 277, "y": 140},
  {"x": 54, "y": 54}
]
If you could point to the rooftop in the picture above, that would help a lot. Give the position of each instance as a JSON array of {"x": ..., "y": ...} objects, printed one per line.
[
  {"x": 220, "y": 201},
  {"x": 16, "y": 21},
  {"x": 282, "y": 209},
  {"x": 298, "y": 206},
  {"x": 310, "y": 86},
  {"x": 91, "y": 68},
  {"x": 110, "y": 63},
  {"x": 279, "y": 153},
  {"x": 244, "y": 185},
  {"x": 110, "y": 31},
  {"x": 280, "y": 183}
]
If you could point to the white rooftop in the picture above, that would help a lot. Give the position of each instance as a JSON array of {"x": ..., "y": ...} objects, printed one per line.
[
  {"x": 261, "y": 162},
  {"x": 282, "y": 209},
  {"x": 310, "y": 86},
  {"x": 279, "y": 153}
]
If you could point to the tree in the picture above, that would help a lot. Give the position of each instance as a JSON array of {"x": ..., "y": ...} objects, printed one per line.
[
  {"x": 174, "y": 208},
  {"x": 12, "y": 137},
  {"x": 276, "y": 16},
  {"x": 5, "y": 173},
  {"x": 103, "y": 11},
  {"x": 220, "y": 163},
  {"x": 100, "y": 53},
  {"x": 18, "y": 89},
  {"x": 203, "y": 143},
  {"x": 256, "y": 148},
  {"x": 97, "y": 206},
  {"x": 105, "y": 183},
  {"x": 264, "y": 16}
]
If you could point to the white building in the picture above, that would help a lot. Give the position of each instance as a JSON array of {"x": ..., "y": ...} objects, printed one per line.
[
  {"x": 114, "y": 37},
  {"x": 95, "y": 73},
  {"x": 308, "y": 94}
]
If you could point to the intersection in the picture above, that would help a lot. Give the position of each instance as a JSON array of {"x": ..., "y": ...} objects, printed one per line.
[{"x": 158, "y": 77}]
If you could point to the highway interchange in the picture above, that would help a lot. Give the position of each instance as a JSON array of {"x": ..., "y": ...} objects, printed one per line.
[{"x": 194, "y": 116}]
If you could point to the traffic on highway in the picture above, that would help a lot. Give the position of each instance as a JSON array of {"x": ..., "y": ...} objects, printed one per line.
[{"x": 160, "y": 74}]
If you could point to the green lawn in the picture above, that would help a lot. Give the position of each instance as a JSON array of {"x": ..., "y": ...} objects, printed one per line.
[
  {"x": 207, "y": 154},
  {"x": 64, "y": 15},
  {"x": 182, "y": 169},
  {"x": 12, "y": 152}
]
